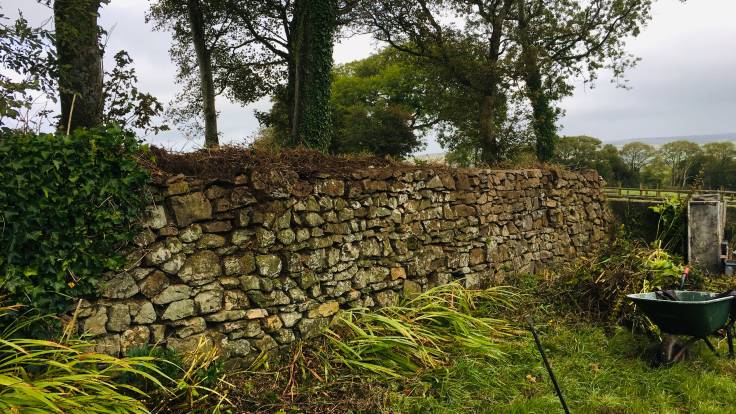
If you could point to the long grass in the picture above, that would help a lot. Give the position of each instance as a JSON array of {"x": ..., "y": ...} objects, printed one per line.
[
  {"x": 422, "y": 333},
  {"x": 65, "y": 376}
]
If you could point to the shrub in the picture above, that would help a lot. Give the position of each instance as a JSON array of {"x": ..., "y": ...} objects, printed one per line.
[
  {"x": 597, "y": 286},
  {"x": 67, "y": 204}
]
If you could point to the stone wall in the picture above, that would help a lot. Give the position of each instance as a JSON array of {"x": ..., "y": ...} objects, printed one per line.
[{"x": 253, "y": 267}]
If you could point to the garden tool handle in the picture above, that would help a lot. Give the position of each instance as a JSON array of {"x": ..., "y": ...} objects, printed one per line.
[{"x": 685, "y": 273}]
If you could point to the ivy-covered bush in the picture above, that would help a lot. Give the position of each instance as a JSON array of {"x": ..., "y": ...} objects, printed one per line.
[{"x": 67, "y": 206}]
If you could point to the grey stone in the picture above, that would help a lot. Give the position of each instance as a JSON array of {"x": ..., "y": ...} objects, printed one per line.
[
  {"x": 210, "y": 241},
  {"x": 309, "y": 328},
  {"x": 226, "y": 315},
  {"x": 119, "y": 286},
  {"x": 411, "y": 289},
  {"x": 158, "y": 333},
  {"x": 266, "y": 344},
  {"x": 190, "y": 208},
  {"x": 236, "y": 299},
  {"x": 172, "y": 293},
  {"x": 256, "y": 313},
  {"x": 302, "y": 235},
  {"x": 118, "y": 317},
  {"x": 191, "y": 233},
  {"x": 190, "y": 326},
  {"x": 174, "y": 245},
  {"x": 187, "y": 345},
  {"x": 284, "y": 336},
  {"x": 179, "y": 310},
  {"x": 142, "y": 312},
  {"x": 286, "y": 237},
  {"x": 266, "y": 300},
  {"x": 109, "y": 345},
  {"x": 209, "y": 301},
  {"x": 265, "y": 237},
  {"x": 313, "y": 219},
  {"x": 201, "y": 268},
  {"x": 290, "y": 318},
  {"x": 174, "y": 265},
  {"x": 136, "y": 337},
  {"x": 242, "y": 329},
  {"x": 157, "y": 254},
  {"x": 144, "y": 238},
  {"x": 268, "y": 265},
  {"x": 249, "y": 283},
  {"x": 387, "y": 298},
  {"x": 240, "y": 265},
  {"x": 272, "y": 323},
  {"x": 324, "y": 310},
  {"x": 240, "y": 237},
  {"x": 154, "y": 284},
  {"x": 95, "y": 324},
  {"x": 155, "y": 217},
  {"x": 238, "y": 347}
]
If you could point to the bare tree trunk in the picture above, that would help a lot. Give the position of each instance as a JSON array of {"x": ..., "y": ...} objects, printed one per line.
[
  {"x": 490, "y": 101},
  {"x": 487, "y": 129},
  {"x": 204, "y": 62},
  {"x": 80, "y": 63}
]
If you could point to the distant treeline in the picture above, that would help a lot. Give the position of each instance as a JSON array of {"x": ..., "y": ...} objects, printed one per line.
[{"x": 677, "y": 164}]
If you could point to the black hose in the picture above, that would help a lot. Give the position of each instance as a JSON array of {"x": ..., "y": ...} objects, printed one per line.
[{"x": 546, "y": 364}]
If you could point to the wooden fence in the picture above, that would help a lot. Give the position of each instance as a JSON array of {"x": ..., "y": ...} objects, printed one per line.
[{"x": 654, "y": 195}]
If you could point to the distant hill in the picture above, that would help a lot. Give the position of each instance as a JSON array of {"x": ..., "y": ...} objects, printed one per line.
[{"x": 700, "y": 139}]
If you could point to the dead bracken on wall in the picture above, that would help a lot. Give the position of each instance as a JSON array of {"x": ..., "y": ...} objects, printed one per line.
[{"x": 252, "y": 267}]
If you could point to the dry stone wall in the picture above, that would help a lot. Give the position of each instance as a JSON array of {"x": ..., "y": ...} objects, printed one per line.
[{"x": 252, "y": 267}]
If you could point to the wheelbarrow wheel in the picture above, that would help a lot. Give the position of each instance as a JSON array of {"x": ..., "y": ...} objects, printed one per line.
[{"x": 670, "y": 351}]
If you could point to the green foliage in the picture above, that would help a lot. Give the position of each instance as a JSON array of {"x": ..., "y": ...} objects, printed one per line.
[
  {"x": 67, "y": 204},
  {"x": 418, "y": 335},
  {"x": 379, "y": 105},
  {"x": 597, "y": 286},
  {"x": 189, "y": 382},
  {"x": 672, "y": 224},
  {"x": 125, "y": 104},
  {"x": 26, "y": 52},
  {"x": 43, "y": 376}
]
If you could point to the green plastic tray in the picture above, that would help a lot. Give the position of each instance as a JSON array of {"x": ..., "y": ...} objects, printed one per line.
[{"x": 695, "y": 314}]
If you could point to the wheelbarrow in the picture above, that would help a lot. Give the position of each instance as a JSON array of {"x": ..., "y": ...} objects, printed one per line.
[{"x": 696, "y": 315}]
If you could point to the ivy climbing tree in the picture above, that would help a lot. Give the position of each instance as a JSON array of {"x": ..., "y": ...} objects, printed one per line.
[{"x": 310, "y": 73}]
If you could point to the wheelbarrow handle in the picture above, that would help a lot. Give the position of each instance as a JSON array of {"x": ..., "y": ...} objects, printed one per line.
[{"x": 546, "y": 365}]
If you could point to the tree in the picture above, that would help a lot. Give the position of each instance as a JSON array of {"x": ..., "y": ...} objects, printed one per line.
[
  {"x": 719, "y": 165},
  {"x": 28, "y": 53},
  {"x": 79, "y": 55},
  {"x": 559, "y": 41},
  {"x": 681, "y": 156},
  {"x": 215, "y": 56},
  {"x": 636, "y": 155},
  {"x": 204, "y": 63},
  {"x": 380, "y": 105},
  {"x": 611, "y": 166},
  {"x": 125, "y": 104},
  {"x": 487, "y": 47},
  {"x": 466, "y": 44},
  {"x": 301, "y": 34},
  {"x": 577, "y": 151}
]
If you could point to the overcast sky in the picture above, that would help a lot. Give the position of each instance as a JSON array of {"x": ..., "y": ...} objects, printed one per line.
[{"x": 684, "y": 85}]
